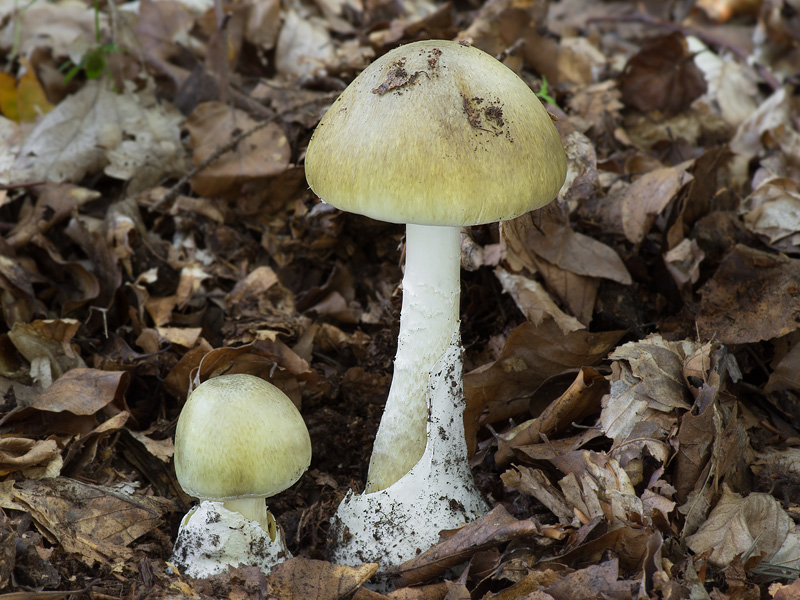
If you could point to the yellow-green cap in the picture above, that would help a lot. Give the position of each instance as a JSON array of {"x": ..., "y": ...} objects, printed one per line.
[
  {"x": 436, "y": 133},
  {"x": 239, "y": 436}
]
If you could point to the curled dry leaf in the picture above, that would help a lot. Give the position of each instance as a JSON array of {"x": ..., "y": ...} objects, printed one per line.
[
  {"x": 579, "y": 401},
  {"x": 786, "y": 375},
  {"x": 773, "y": 214},
  {"x": 21, "y": 454},
  {"x": 647, "y": 385},
  {"x": 269, "y": 359},
  {"x": 732, "y": 88},
  {"x": 54, "y": 203},
  {"x": 47, "y": 347},
  {"x": 552, "y": 238},
  {"x": 535, "y": 483},
  {"x": 531, "y": 354},
  {"x": 49, "y": 27},
  {"x": 597, "y": 486},
  {"x": 744, "y": 527},
  {"x": 594, "y": 581},
  {"x": 304, "y": 46},
  {"x": 83, "y": 391},
  {"x": 646, "y": 198},
  {"x": 160, "y": 26},
  {"x": 534, "y": 301}
]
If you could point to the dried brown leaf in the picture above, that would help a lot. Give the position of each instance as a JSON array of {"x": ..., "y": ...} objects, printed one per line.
[
  {"x": 83, "y": 391},
  {"x": 773, "y": 214},
  {"x": 304, "y": 46},
  {"x": 531, "y": 354},
  {"x": 597, "y": 486},
  {"x": 552, "y": 238},
  {"x": 662, "y": 76},
  {"x": 19, "y": 454},
  {"x": 263, "y": 154},
  {"x": 535, "y": 483},
  {"x": 95, "y": 522},
  {"x": 742, "y": 527},
  {"x": 646, "y": 198},
  {"x": 579, "y": 401},
  {"x": 752, "y": 296},
  {"x": 54, "y": 203},
  {"x": 494, "y": 528},
  {"x": 695, "y": 438},
  {"x": 305, "y": 579},
  {"x": 130, "y": 136},
  {"x": 269, "y": 359},
  {"x": 47, "y": 347},
  {"x": 647, "y": 385},
  {"x": 591, "y": 582},
  {"x": 534, "y": 301},
  {"x": 160, "y": 26}
]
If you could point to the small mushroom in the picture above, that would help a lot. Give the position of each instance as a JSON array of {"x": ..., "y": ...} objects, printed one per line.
[
  {"x": 436, "y": 135},
  {"x": 239, "y": 440}
]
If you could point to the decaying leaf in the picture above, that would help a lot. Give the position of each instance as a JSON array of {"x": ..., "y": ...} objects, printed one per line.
[
  {"x": 597, "y": 486},
  {"x": 131, "y": 136},
  {"x": 744, "y": 527},
  {"x": 662, "y": 76},
  {"x": 263, "y": 154},
  {"x": 47, "y": 347},
  {"x": 552, "y": 238},
  {"x": 531, "y": 355},
  {"x": 645, "y": 199},
  {"x": 534, "y": 301},
  {"x": 21, "y": 454},
  {"x": 301, "y": 579},
  {"x": 773, "y": 214},
  {"x": 82, "y": 391},
  {"x": 534, "y": 483},
  {"x": 97, "y": 523},
  {"x": 579, "y": 401},
  {"x": 752, "y": 296},
  {"x": 495, "y": 527},
  {"x": 647, "y": 385},
  {"x": 589, "y": 583}
]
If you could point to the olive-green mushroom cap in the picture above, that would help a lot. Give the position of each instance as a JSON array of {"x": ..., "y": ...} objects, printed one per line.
[
  {"x": 239, "y": 436},
  {"x": 436, "y": 133}
]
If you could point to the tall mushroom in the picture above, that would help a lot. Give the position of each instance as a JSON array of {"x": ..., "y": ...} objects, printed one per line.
[
  {"x": 239, "y": 440},
  {"x": 436, "y": 135}
]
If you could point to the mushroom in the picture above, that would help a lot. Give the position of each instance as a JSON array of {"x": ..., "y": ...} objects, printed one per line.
[
  {"x": 436, "y": 135},
  {"x": 239, "y": 440}
]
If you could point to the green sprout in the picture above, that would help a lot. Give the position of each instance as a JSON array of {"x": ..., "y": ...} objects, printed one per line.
[
  {"x": 94, "y": 62},
  {"x": 544, "y": 93}
]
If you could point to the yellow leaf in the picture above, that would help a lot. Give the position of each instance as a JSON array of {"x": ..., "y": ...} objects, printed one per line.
[
  {"x": 31, "y": 99},
  {"x": 8, "y": 97}
]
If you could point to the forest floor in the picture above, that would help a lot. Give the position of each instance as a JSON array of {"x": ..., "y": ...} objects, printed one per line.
[{"x": 630, "y": 350}]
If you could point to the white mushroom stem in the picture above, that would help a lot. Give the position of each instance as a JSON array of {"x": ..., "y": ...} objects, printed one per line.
[
  {"x": 395, "y": 524},
  {"x": 254, "y": 509},
  {"x": 429, "y": 318}
]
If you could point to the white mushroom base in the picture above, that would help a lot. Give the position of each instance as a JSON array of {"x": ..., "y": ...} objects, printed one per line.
[
  {"x": 211, "y": 537},
  {"x": 398, "y": 523}
]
